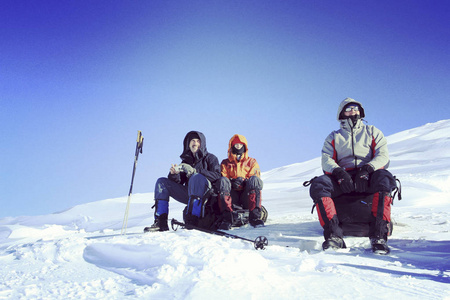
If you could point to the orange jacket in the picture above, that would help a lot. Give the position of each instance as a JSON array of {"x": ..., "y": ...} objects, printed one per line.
[{"x": 246, "y": 167}]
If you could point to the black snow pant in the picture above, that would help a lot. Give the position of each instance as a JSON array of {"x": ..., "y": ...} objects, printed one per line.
[
  {"x": 324, "y": 189},
  {"x": 248, "y": 198}
]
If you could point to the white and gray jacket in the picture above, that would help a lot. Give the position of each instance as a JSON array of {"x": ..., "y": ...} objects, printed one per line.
[{"x": 353, "y": 146}]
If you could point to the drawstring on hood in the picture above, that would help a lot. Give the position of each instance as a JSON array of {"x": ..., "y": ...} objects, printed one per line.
[
  {"x": 238, "y": 152},
  {"x": 354, "y": 119}
]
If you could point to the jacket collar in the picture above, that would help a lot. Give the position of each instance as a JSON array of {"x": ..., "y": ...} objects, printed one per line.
[{"x": 347, "y": 125}]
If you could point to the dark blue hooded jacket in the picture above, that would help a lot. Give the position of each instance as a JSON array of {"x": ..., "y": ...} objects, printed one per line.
[{"x": 205, "y": 163}]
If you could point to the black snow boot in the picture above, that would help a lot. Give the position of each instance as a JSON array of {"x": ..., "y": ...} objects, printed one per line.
[
  {"x": 255, "y": 218},
  {"x": 257, "y": 223},
  {"x": 334, "y": 242},
  {"x": 379, "y": 246},
  {"x": 159, "y": 225},
  {"x": 226, "y": 220}
]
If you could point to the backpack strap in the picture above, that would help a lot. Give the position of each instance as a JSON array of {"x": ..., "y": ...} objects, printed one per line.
[
  {"x": 397, "y": 189},
  {"x": 308, "y": 183}
]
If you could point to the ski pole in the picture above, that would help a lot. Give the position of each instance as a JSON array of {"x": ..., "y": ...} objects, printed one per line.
[
  {"x": 259, "y": 243},
  {"x": 139, "y": 146}
]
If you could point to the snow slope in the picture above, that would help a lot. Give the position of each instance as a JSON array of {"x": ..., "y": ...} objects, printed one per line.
[{"x": 51, "y": 256}]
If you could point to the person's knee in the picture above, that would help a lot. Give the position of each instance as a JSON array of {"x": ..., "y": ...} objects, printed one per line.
[
  {"x": 321, "y": 187},
  {"x": 199, "y": 185},
  {"x": 161, "y": 191},
  {"x": 224, "y": 185},
  {"x": 197, "y": 177},
  {"x": 162, "y": 180},
  {"x": 255, "y": 183},
  {"x": 382, "y": 181}
]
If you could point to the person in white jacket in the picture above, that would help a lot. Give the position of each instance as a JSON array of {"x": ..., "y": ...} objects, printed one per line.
[{"x": 354, "y": 160}]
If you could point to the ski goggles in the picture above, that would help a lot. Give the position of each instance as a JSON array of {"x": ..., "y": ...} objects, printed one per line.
[{"x": 352, "y": 107}]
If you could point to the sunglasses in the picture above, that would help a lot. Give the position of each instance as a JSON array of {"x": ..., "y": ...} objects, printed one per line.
[{"x": 349, "y": 108}]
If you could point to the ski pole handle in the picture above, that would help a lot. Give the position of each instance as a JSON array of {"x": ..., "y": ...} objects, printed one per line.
[{"x": 139, "y": 142}]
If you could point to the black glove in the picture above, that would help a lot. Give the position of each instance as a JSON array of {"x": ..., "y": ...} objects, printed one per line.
[
  {"x": 344, "y": 180},
  {"x": 362, "y": 178},
  {"x": 238, "y": 183}
]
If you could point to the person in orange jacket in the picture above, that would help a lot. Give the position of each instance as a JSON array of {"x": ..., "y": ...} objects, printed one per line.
[{"x": 240, "y": 183}]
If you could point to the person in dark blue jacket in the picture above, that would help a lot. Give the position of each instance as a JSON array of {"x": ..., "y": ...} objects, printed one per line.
[{"x": 195, "y": 175}]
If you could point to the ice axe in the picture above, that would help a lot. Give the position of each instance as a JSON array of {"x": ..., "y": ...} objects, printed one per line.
[{"x": 139, "y": 146}]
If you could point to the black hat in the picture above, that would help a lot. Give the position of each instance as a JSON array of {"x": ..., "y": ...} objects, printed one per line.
[{"x": 192, "y": 135}]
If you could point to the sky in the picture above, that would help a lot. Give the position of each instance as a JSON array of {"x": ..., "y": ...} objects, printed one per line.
[{"x": 78, "y": 79}]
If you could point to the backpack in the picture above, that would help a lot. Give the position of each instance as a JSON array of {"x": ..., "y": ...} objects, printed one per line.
[
  {"x": 354, "y": 213},
  {"x": 354, "y": 210},
  {"x": 205, "y": 213},
  {"x": 241, "y": 215},
  {"x": 202, "y": 211}
]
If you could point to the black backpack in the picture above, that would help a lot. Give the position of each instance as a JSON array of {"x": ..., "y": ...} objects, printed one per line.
[
  {"x": 210, "y": 216},
  {"x": 354, "y": 210},
  {"x": 202, "y": 211}
]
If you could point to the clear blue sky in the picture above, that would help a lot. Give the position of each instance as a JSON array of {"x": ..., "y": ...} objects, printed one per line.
[{"x": 79, "y": 78}]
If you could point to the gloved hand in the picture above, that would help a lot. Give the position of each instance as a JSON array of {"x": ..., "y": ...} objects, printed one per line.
[
  {"x": 189, "y": 170},
  {"x": 238, "y": 183},
  {"x": 344, "y": 180},
  {"x": 362, "y": 178}
]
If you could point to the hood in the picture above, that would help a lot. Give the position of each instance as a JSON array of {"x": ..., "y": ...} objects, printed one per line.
[
  {"x": 243, "y": 140},
  {"x": 344, "y": 103},
  {"x": 187, "y": 154}
]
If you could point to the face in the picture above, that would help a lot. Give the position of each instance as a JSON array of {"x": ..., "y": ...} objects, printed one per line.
[
  {"x": 238, "y": 146},
  {"x": 351, "y": 110},
  {"x": 194, "y": 145}
]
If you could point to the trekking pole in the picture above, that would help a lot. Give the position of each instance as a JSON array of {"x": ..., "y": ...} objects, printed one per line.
[
  {"x": 139, "y": 145},
  {"x": 259, "y": 243}
]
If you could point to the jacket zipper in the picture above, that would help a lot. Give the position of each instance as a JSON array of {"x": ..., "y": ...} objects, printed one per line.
[{"x": 353, "y": 148}]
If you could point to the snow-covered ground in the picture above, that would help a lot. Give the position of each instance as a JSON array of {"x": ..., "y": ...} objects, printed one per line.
[{"x": 51, "y": 256}]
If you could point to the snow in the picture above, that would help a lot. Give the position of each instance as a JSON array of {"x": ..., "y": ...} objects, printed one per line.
[{"x": 68, "y": 254}]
